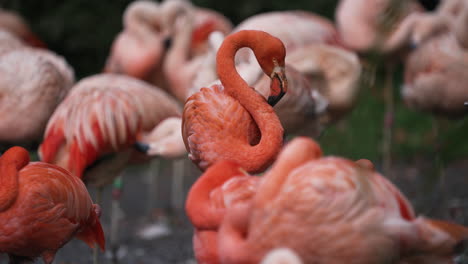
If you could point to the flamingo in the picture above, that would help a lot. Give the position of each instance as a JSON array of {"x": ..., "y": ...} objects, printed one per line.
[
  {"x": 228, "y": 116},
  {"x": 185, "y": 72},
  {"x": 323, "y": 86},
  {"x": 139, "y": 49},
  {"x": 33, "y": 83},
  {"x": 329, "y": 210},
  {"x": 92, "y": 132},
  {"x": 42, "y": 207},
  {"x": 385, "y": 27},
  {"x": 15, "y": 24}
]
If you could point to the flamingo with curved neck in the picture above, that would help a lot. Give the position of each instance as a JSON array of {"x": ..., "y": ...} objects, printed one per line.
[{"x": 217, "y": 121}]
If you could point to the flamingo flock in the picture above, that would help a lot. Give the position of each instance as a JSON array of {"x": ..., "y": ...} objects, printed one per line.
[{"x": 247, "y": 105}]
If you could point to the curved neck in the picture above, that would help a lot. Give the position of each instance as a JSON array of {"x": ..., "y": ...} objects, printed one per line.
[
  {"x": 177, "y": 64},
  {"x": 11, "y": 162},
  {"x": 199, "y": 208},
  {"x": 262, "y": 113}
]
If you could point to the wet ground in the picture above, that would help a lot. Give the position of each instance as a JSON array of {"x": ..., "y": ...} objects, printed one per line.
[{"x": 169, "y": 242}]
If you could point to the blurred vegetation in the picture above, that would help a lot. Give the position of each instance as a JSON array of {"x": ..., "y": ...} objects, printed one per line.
[{"x": 83, "y": 30}]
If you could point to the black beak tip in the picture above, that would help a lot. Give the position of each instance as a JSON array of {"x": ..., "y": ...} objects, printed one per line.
[
  {"x": 167, "y": 43},
  {"x": 274, "y": 99},
  {"x": 141, "y": 147}
]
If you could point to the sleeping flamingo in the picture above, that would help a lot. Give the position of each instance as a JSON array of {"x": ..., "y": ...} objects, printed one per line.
[
  {"x": 328, "y": 210},
  {"x": 15, "y": 24},
  {"x": 229, "y": 116},
  {"x": 31, "y": 79},
  {"x": 139, "y": 49},
  {"x": 323, "y": 86},
  {"x": 93, "y": 131},
  {"x": 42, "y": 207}
]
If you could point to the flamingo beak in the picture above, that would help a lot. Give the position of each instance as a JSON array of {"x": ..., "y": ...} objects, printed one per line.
[
  {"x": 141, "y": 147},
  {"x": 278, "y": 85}
]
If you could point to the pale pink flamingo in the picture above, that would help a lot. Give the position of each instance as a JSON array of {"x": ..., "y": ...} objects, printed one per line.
[
  {"x": 93, "y": 131},
  {"x": 42, "y": 207},
  {"x": 324, "y": 84},
  {"x": 331, "y": 210},
  {"x": 139, "y": 49},
  {"x": 15, "y": 24},
  {"x": 33, "y": 83},
  {"x": 385, "y": 27},
  {"x": 183, "y": 70}
]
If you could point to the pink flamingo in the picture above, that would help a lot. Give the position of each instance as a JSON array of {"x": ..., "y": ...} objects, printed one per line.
[
  {"x": 42, "y": 207},
  {"x": 324, "y": 84},
  {"x": 309, "y": 203},
  {"x": 220, "y": 117},
  {"x": 93, "y": 131},
  {"x": 31, "y": 79},
  {"x": 138, "y": 51}
]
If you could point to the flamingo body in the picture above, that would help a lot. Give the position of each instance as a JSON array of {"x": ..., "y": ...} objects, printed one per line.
[
  {"x": 50, "y": 206},
  {"x": 31, "y": 79},
  {"x": 210, "y": 116},
  {"x": 104, "y": 115},
  {"x": 331, "y": 210}
]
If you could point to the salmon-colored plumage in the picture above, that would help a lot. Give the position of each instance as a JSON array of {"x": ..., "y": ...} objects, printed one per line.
[
  {"x": 102, "y": 117},
  {"x": 217, "y": 121},
  {"x": 42, "y": 207},
  {"x": 331, "y": 210}
]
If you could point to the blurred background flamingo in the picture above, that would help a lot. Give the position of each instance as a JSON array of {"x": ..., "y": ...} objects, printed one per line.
[
  {"x": 42, "y": 207},
  {"x": 93, "y": 130}
]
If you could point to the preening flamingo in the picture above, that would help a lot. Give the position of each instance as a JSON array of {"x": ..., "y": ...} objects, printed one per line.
[
  {"x": 33, "y": 83},
  {"x": 222, "y": 185},
  {"x": 15, "y": 24},
  {"x": 139, "y": 49},
  {"x": 186, "y": 73},
  {"x": 221, "y": 122},
  {"x": 331, "y": 210},
  {"x": 42, "y": 207}
]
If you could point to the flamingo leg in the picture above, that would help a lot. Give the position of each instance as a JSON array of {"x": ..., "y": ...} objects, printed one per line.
[
  {"x": 152, "y": 180},
  {"x": 388, "y": 121},
  {"x": 177, "y": 188},
  {"x": 116, "y": 215},
  {"x": 98, "y": 201}
]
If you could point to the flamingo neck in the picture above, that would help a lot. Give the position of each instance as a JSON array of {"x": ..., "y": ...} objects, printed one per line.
[
  {"x": 199, "y": 208},
  {"x": 256, "y": 158},
  {"x": 10, "y": 164},
  {"x": 178, "y": 58}
]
